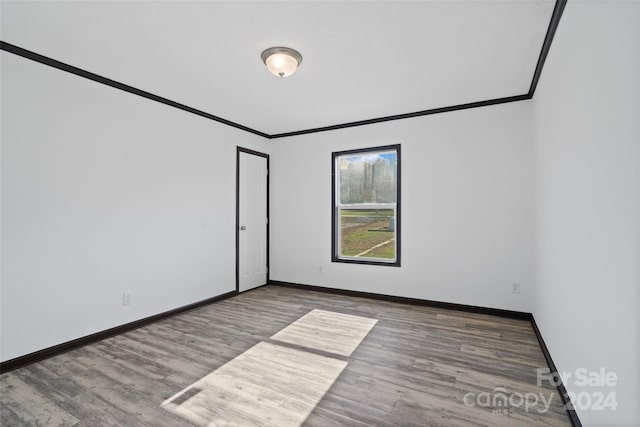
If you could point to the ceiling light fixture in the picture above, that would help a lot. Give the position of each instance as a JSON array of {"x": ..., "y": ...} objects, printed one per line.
[{"x": 281, "y": 61}]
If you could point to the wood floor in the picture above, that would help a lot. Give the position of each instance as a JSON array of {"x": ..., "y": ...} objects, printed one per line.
[{"x": 280, "y": 356}]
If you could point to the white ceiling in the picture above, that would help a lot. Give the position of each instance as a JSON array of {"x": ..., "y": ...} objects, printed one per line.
[{"x": 361, "y": 60}]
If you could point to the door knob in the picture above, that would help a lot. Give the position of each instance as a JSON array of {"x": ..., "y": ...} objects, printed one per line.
[{"x": 242, "y": 227}]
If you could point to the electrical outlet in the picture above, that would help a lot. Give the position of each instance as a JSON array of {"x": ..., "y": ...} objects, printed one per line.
[
  {"x": 515, "y": 288},
  {"x": 126, "y": 298}
]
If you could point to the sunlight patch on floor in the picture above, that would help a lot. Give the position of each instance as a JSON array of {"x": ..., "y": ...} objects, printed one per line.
[
  {"x": 328, "y": 331},
  {"x": 276, "y": 382}
]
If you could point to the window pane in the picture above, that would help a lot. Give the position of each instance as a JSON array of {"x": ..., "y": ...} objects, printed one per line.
[
  {"x": 368, "y": 233},
  {"x": 368, "y": 178},
  {"x": 366, "y": 209}
]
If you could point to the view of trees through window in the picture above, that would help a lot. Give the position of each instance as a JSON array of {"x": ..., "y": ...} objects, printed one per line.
[
  {"x": 369, "y": 178},
  {"x": 366, "y": 205}
]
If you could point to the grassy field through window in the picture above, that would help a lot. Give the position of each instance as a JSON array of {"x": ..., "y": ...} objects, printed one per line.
[{"x": 369, "y": 233}]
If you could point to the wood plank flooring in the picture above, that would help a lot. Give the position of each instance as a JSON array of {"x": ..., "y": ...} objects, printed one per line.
[{"x": 415, "y": 366}]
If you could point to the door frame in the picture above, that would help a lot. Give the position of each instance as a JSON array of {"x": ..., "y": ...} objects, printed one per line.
[{"x": 268, "y": 225}]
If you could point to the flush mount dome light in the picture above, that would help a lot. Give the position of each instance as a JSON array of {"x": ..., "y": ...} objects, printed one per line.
[{"x": 281, "y": 61}]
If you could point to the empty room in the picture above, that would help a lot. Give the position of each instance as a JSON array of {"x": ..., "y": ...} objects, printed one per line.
[{"x": 320, "y": 213}]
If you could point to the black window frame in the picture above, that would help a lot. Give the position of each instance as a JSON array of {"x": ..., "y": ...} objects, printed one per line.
[{"x": 335, "y": 222}]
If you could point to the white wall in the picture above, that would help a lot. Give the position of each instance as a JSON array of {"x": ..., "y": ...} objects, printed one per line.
[
  {"x": 104, "y": 192},
  {"x": 467, "y": 210},
  {"x": 587, "y": 144}
]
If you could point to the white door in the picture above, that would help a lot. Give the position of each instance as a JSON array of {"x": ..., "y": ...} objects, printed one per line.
[{"x": 252, "y": 220}]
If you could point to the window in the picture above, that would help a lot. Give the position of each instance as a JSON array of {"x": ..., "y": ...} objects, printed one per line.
[{"x": 366, "y": 206}]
